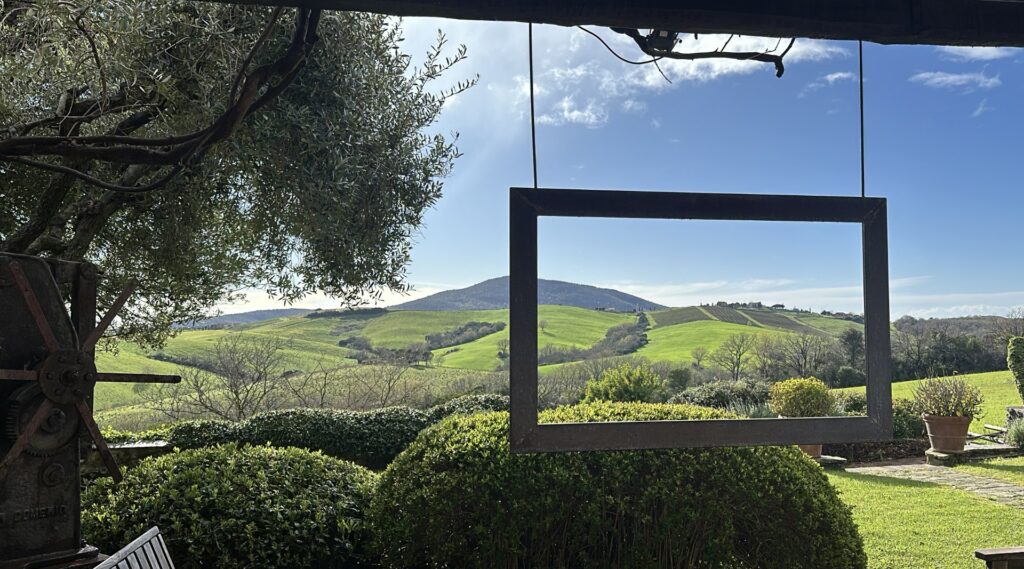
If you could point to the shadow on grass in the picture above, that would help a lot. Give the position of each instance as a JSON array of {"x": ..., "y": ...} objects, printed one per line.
[{"x": 884, "y": 481}]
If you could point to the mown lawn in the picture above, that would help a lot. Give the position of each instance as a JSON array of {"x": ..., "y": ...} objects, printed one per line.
[
  {"x": 996, "y": 386},
  {"x": 1008, "y": 469},
  {"x": 916, "y": 525}
]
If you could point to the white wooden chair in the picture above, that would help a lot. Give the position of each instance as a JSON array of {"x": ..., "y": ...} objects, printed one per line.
[{"x": 148, "y": 551}]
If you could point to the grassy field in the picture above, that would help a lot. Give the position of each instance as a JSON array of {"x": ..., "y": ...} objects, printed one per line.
[
  {"x": 917, "y": 525},
  {"x": 833, "y": 326},
  {"x": 996, "y": 386},
  {"x": 565, "y": 326},
  {"x": 676, "y": 343}
]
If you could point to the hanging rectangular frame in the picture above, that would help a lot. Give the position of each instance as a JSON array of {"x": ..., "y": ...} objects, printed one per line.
[{"x": 526, "y": 205}]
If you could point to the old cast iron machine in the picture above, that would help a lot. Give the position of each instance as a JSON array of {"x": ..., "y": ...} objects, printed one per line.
[{"x": 47, "y": 376}]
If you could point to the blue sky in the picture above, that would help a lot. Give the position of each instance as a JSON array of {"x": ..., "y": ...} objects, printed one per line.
[{"x": 942, "y": 145}]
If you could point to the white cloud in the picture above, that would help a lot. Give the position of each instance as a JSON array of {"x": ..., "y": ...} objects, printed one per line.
[
  {"x": 655, "y": 123},
  {"x": 944, "y": 80},
  {"x": 634, "y": 106},
  {"x": 254, "y": 299},
  {"x": 982, "y": 108},
  {"x": 827, "y": 81},
  {"x": 567, "y": 111},
  {"x": 957, "y": 53}
]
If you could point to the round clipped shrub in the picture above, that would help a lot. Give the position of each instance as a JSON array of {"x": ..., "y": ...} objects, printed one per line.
[
  {"x": 229, "y": 507},
  {"x": 467, "y": 405},
  {"x": 369, "y": 438},
  {"x": 458, "y": 498},
  {"x": 801, "y": 397},
  {"x": 201, "y": 433},
  {"x": 722, "y": 394},
  {"x": 627, "y": 382}
]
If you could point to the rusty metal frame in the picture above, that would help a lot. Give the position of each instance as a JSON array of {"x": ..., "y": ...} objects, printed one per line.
[{"x": 526, "y": 205}]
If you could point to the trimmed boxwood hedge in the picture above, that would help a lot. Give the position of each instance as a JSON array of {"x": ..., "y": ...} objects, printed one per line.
[
  {"x": 229, "y": 507},
  {"x": 458, "y": 498},
  {"x": 467, "y": 405},
  {"x": 371, "y": 439}
]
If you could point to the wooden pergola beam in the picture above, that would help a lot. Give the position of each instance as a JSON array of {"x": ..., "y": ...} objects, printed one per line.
[{"x": 935, "y": 22}]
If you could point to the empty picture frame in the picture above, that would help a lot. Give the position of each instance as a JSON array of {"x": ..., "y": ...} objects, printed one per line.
[{"x": 526, "y": 435}]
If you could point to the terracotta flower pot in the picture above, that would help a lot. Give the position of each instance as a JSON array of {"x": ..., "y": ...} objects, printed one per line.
[
  {"x": 946, "y": 434},
  {"x": 814, "y": 451}
]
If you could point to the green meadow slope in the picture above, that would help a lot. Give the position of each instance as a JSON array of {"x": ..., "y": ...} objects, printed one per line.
[{"x": 308, "y": 341}]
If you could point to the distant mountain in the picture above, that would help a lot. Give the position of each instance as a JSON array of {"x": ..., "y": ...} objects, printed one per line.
[
  {"x": 225, "y": 320},
  {"x": 493, "y": 294}
]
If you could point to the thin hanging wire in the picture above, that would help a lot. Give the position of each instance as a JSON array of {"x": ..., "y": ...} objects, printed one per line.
[
  {"x": 533, "y": 112},
  {"x": 860, "y": 63}
]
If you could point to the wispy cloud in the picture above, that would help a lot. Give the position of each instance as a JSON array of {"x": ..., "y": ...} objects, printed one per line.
[
  {"x": 567, "y": 111},
  {"x": 944, "y": 80},
  {"x": 957, "y": 53},
  {"x": 982, "y": 108},
  {"x": 589, "y": 85},
  {"x": 827, "y": 81}
]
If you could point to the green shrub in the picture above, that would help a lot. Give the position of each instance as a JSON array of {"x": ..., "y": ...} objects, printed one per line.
[
  {"x": 467, "y": 405},
  {"x": 1015, "y": 361},
  {"x": 906, "y": 420},
  {"x": 369, "y": 438},
  {"x": 115, "y": 437},
  {"x": 1015, "y": 433},
  {"x": 801, "y": 397},
  {"x": 948, "y": 397},
  {"x": 201, "y": 433},
  {"x": 458, "y": 498},
  {"x": 626, "y": 382},
  {"x": 721, "y": 394},
  {"x": 851, "y": 403},
  {"x": 229, "y": 508},
  {"x": 847, "y": 376},
  {"x": 679, "y": 379}
]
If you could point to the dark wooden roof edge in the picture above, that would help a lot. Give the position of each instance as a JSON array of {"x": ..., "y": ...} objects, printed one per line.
[{"x": 932, "y": 22}]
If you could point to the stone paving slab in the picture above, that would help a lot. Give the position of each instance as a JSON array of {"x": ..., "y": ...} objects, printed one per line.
[{"x": 995, "y": 490}]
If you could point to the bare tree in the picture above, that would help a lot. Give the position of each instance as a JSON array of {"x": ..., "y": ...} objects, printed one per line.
[
  {"x": 805, "y": 353},
  {"x": 387, "y": 382},
  {"x": 1010, "y": 327},
  {"x": 543, "y": 325},
  {"x": 241, "y": 377},
  {"x": 698, "y": 355},
  {"x": 734, "y": 354},
  {"x": 767, "y": 358},
  {"x": 503, "y": 348},
  {"x": 318, "y": 388}
]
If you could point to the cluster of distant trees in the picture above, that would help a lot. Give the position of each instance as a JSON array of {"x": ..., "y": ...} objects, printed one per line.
[
  {"x": 463, "y": 334},
  {"x": 920, "y": 348},
  {"x": 618, "y": 341}
]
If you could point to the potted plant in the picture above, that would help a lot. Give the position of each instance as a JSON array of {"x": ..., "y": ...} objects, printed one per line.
[
  {"x": 947, "y": 405},
  {"x": 1015, "y": 361},
  {"x": 802, "y": 397}
]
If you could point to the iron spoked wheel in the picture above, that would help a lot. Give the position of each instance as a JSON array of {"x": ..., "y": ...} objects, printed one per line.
[{"x": 64, "y": 381}]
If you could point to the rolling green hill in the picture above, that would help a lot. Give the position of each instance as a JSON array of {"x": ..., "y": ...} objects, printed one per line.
[{"x": 309, "y": 339}]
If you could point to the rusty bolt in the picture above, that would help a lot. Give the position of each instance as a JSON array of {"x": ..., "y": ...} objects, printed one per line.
[
  {"x": 90, "y": 377},
  {"x": 55, "y": 422}
]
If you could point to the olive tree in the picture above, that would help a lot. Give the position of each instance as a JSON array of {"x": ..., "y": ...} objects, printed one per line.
[{"x": 204, "y": 148}]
